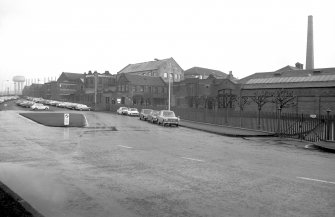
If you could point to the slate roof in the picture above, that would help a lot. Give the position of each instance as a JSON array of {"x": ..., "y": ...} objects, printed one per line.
[
  {"x": 145, "y": 66},
  {"x": 204, "y": 72},
  {"x": 73, "y": 76},
  {"x": 291, "y": 82},
  {"x": 144, "y": 80},
  {"x": 289, "y": 71}
]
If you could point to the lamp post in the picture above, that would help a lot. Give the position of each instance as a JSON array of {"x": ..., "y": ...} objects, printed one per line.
[{"x": 169, "y": 75}]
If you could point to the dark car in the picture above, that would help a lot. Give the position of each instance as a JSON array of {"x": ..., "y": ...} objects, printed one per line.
[
  {"x": 144, "y": 114},
  {"x": 152, "y": 117},
  {"x": 167, "y": 117}
]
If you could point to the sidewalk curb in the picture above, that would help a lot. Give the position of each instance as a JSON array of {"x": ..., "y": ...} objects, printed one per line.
[
  {"x": 20, "y": 201},
  {"x": 266, "y": 134}
]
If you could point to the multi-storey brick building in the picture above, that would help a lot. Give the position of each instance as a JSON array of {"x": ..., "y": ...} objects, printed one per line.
[
  {"x": 134, "y": 89},
  {"x": 156, "y": 68}
]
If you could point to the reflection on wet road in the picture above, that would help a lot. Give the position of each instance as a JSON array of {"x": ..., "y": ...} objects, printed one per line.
[{"x": 121, "y": 166}]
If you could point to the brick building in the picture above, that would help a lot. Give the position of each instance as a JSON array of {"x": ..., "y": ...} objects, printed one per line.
[
  {"x": 98, "y": 88},
  {"x": 208, "y": 93},
  {"x": 156, "y": 68},
  {"x": 313, "y": 89},
  {"x": 203, "y": 73},
  {"x": 70, "y": 87},
  {"x": 134, "y": 89}
]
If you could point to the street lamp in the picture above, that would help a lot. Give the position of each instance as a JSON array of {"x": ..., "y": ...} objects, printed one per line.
[{"x": 169, "y": 75}]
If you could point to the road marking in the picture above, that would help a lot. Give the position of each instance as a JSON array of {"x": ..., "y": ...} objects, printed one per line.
[
  {"x": 124, "y": 146},
  {"x": 316, "y": 180},
  {"x": 86, "y": 122},
  {"x": 192, "y": 159}
]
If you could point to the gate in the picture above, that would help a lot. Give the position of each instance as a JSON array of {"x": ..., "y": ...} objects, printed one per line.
[{"x": 306, "y": 127}]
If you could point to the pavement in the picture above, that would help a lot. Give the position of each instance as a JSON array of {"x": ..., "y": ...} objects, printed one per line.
[{"x": 224, "y": 130}]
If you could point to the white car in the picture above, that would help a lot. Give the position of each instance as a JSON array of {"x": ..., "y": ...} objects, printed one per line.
[
  {"x": 133, "y": 112},
  {"x": 122, "y": 110},
  {"x": 82, "y": 107},
  {"x": 39, "y": 106}
]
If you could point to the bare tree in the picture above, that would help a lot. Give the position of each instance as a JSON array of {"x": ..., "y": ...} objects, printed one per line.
[
  {"x": 241, "y": 102},
  {"x": 261, "y": 98},
  {"x": 283, "y": 98}
]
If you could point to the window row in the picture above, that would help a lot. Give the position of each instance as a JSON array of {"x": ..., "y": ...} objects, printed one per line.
[
  {"x": 140, "y": 88},
  {"x": 172, "y": 75}
]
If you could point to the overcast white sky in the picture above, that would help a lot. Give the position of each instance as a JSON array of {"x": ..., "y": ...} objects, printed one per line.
[{"x": 42, "y": 38}]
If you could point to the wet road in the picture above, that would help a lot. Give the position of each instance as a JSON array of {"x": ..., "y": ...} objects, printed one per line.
[{"x": 121, "y": 166}]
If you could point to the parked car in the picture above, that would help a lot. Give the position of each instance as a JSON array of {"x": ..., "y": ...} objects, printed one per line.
[
  {"x": 82, "y": 107},
  {"x": 122, "y": 110},
  {"x": 166, "y": 117},
  {"x": 27, "y": 104},
  {"x": 152, "y": 117},
  {"x": 39, "y": 106},
  {"x": 144, "y": 114},
  {"x": 132, "y": 112}
]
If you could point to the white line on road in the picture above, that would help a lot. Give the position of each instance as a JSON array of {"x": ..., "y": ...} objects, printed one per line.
[
  {"x": 192, "y": 159},
  {"x": 316, "y": 180},
  {"x": 124, "y": 146}
]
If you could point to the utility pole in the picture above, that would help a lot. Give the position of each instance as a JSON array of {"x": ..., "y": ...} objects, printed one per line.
[
  {"x": 95, "y": 87},
  {"x": 169, "y": 75}
]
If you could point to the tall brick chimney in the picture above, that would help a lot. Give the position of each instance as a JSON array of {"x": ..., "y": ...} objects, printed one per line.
[{"x": 310, "y": 47}]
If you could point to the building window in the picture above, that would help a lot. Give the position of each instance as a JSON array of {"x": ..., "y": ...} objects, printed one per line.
[
  {"x": 175, "y": 76},
  {"x": 165, "y": 75}
]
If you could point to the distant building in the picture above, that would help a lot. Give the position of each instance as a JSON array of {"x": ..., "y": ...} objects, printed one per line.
[
  {"x": 314, "y": 89},
  {"x": 70, "y": 86},
  {"x": 51, "y": 90},
  {"x": 98, "y": 88},
  {"x": 203, "y": 73},
  {"x": 134, "y": 89},
  {"x": 156, "y": 68},
  {"x": 208, "y": 93},
  {"x": 34, "y": 90}
]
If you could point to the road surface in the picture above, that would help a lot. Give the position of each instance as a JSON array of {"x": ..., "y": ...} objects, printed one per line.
[{"x": 121, "y": 166}]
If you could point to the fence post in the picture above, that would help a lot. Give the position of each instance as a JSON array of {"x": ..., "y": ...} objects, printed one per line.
[
  {"x": 328, "y": 125},
  {"x": 278, "y": 120},
  {"x": 300, "y": 126}
]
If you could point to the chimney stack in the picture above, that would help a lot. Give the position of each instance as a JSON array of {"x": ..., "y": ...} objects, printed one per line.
[{"x": 310, "y": 47}]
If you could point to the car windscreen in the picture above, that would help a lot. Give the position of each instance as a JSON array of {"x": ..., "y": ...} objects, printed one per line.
[
  {"x": 154, "y": 112},
  {"x": 168, "y": 114},
  {"x": 146, "y": 111}
]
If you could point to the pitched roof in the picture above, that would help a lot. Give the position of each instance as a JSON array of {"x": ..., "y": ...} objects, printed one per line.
[
  {"x": 289, "y": 71},
  {"x": 145, "y": 66},
  {"x": 144, "y": 80},
  {"x": 291, "y": 82},
  {"x": 73, "y": 76},
  {"x": 205, "y": 72}
]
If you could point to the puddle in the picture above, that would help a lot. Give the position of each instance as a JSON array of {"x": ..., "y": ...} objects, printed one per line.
[{"x": 39, "y": 188}]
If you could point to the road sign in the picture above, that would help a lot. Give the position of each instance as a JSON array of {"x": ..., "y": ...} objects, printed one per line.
[{"x": 66, "y": 119}]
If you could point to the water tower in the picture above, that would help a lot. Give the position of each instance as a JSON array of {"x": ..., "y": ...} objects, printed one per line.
[{"x": 18, "y": 84}]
